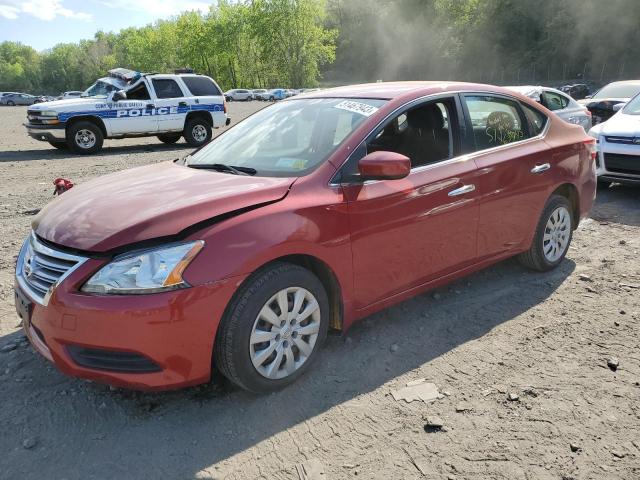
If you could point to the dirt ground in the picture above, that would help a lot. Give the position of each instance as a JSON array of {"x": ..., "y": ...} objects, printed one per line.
[{"x": 542, "y": 340}]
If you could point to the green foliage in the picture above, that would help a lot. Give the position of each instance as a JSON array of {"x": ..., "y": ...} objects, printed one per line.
[{"x": 259, "y": 43}]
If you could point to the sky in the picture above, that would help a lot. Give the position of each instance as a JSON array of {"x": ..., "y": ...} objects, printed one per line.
[{"x": 45, "y": 23}]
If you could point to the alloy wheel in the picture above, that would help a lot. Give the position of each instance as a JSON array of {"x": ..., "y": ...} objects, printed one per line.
[
  {"x": 284, "y": 333},
  {"x": 199, "y": 133},
  {"x": 556, "y": 234}
]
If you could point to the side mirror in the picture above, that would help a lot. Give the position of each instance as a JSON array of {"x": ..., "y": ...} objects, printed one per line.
[
  {"x": 384, "y": 166},
  {"x": 618, "y": 106},
  {"x": 119, "y": 95}
]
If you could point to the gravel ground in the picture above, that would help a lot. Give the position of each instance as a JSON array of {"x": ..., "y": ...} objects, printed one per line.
[{"x": 520, "y": 360}]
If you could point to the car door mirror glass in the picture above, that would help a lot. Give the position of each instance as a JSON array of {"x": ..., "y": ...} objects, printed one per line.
[
  {"x": 618, "y": 106},
  {"x": 382, "y": 165},
  {"x": 119, "y": 95}
]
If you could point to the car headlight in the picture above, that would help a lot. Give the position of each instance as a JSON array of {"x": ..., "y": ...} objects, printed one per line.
[
  {"x": 146, "y": 271},
  {"x": 48, "y": 113}
]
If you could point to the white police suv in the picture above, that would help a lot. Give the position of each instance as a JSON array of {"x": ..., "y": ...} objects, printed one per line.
[{"x": 132, "y": 104}]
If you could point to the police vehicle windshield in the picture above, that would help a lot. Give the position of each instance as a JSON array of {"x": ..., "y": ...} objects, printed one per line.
[
  {"x": 289, "y": 139},
  {"x": 100, "y": 89}
]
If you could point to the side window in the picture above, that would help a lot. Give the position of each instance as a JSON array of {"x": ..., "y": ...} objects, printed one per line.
[
  {"x": 495, "y": 120},
  {"x": 554, "y": 101},
  {"x": 138, "y": 92},
  {"x": 166, "y": 88},
  {"x": 421, "y": 133},
  {"x": 537, "y": 120}
]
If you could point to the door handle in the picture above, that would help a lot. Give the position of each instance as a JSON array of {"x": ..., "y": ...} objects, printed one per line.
[
  {"x": 150, "y": 105},
  {"x": 182, "y": 104},
  {"x": 462, "y": 190},
  {"x": 541, "y": 168}
]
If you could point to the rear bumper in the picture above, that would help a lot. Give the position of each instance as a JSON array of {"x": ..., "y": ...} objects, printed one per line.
[
  {"x": 143, "y": 342},
  {"x": 47, "y": 133}
]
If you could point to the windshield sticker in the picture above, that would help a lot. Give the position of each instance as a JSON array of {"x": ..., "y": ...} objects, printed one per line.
[
  {"x": 357, "y": 107},
  {"x": 296, "y": 163}
]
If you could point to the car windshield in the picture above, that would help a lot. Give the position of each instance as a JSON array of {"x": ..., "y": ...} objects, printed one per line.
[
  {"x": 633, "y": 106},
  {"x": 99, "y": 89},
  {"x": 618, "y": 90},
  {"x": 288, "y": 139}
]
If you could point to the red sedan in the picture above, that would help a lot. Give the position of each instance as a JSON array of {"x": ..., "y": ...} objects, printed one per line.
[{"x": 310, "y": 214}]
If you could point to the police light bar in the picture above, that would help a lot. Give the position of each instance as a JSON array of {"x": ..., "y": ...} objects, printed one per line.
[{"x": 125, "y": 74}]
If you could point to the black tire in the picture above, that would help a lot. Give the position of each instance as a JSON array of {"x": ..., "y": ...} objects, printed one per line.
[
  {"x": 534, "y": 258},
  {"x": 194, "y": 124},
  {"x": 60, "y": 145},
  {"x": 232, "y": 355},
  {"x": 11, "y": 103},
  {"x": 75, "y": 144},
  {"x": 169, "y": 138},
  {"x": 272, "y": 99}
]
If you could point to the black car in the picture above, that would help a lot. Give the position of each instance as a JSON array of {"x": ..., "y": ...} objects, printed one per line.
[{"x": 577, "y": 91}]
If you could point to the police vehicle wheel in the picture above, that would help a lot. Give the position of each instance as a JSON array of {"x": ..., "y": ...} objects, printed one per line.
[
  {"x": 197, "y": 132},
  {"x": 169, "y": 138},
  {"x": 59, "y": 145},
  {"x": 85, "y": 137}
]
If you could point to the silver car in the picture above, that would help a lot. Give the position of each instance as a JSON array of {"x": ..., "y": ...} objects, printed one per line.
[
  {"x": 12, "y": 99},
  {"x": 559, "y": 103}
]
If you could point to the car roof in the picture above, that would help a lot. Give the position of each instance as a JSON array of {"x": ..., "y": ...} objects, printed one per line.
[{"x": 392, "y": 90}]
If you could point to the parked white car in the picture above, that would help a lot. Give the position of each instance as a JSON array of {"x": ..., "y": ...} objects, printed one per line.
[
  {"x": 132, "y": 104},
  {"x": 70, "y": 94},
  {"x": 257, "y": 93},
  {"x": 618, "y": 141},
  {"x": 559, "y": 103},
  {"x": 238, "y": 95}
]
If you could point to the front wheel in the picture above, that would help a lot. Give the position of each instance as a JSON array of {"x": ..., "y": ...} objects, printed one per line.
[
  {"x": 84, "y": 138},
  {"x": 197, "y": 132},
  {"x": 553, "y": 236},
  {"x": 273, "y": 328}
]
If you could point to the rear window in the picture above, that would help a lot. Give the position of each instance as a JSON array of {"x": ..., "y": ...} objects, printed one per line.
[
  {"x": 201, "y": 86},
  {"x": 537, "y": 120}
]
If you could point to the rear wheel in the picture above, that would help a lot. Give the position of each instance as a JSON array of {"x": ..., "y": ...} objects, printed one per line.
[
  {"x": 59, "y": 145},
  {"x": 11, "y": 103},
  {"x": 84, "y": 137},
  {"x": 553, "y": 236},
  {"x": 169, "y": 138},
  {"x": 197, "y": 131},
  {"x": 273, "y": 328}
]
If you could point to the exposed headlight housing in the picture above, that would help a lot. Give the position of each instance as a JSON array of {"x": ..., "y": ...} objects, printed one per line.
[
  {"x": 145, "y": 271},
  {"x": 48, "y": 113}
]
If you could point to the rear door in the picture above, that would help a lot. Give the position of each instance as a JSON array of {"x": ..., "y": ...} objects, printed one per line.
[
  {"x": 407, "y": 232},
  {"x": 205, "y": 95},
  {"x": 514, "y": 168},
  {"x": 171, "y": 105}
]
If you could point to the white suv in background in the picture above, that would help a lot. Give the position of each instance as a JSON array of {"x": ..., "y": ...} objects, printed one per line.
[
  {"x": 132, "y": 104},
  {"x": 618, "y": 141},
  {"x": 238, "y": 95}
]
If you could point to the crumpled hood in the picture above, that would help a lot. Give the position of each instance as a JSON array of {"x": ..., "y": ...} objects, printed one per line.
[
  {"x": 148, "y": 202},
  {"x": 622, "y": 124},
  {"x": 66, "y": 104}
]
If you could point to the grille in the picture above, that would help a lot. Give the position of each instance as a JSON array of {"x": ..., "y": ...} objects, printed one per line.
[
  {"x": 109, "y": 360},
  {"x": 41, "y": 268},
  {"x": 629, "y": 164},
  {"x": 623, "y": 140}
]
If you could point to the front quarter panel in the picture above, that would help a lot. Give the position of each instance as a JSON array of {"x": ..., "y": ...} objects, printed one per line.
[{"x": 311, "y": 220}]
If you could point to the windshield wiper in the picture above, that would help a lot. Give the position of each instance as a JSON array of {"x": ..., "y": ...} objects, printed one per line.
[{"x": 221, "y": 167}]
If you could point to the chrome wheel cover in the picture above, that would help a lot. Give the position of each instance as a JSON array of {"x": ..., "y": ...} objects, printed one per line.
[
  {"x": 199, "y": 133},
  {"x": 556, "y": 234},
  {"x": 85, "y": 138},
  {"x": 284, "y": 333}
]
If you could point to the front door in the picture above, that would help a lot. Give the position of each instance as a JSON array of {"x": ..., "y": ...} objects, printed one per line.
[
  {"x": 405, "y": 233},
  {"x": 171, "y": 104}
]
